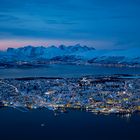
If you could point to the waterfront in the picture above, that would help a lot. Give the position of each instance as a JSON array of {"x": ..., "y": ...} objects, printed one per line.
[
  {"x": 66, "y": 71},
  {"x": 100, "y": 94},
  {"x": 43, "y": 124}
]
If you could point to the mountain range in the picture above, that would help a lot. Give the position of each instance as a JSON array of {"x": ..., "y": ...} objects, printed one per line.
[{"x": 76, "y": 54}]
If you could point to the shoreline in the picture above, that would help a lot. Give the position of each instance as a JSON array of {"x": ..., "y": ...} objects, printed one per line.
[{"x": 115, "y": 94}]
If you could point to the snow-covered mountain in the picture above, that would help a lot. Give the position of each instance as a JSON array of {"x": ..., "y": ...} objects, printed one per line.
[
  {"x": 48, "y": 52},
  {"x": 77, "y": 53}
]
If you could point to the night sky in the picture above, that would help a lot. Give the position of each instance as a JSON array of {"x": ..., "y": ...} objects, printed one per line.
[{"x": 111, "y": 24}]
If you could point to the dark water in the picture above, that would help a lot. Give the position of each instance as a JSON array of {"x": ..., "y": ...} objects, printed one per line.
[
  {"x": 43, "y": 125},
  {"x": 66, "y": 71}
]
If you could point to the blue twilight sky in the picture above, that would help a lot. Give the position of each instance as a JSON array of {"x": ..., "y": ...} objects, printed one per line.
[{"x": 102, "y": 24}]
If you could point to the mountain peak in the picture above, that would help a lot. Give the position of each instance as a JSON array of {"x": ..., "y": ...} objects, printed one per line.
[{"x": 72, "y": 53}]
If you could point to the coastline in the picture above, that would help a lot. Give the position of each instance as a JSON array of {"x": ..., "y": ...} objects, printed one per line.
[{"x": 115, "y": 94}]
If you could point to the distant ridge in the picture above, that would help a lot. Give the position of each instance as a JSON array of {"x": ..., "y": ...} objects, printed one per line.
[{"x": 76, "y": 54}]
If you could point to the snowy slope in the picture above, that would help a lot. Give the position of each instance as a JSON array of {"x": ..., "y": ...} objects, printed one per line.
[
  {"x": 72, "y": 53},
  {"x": 48, "y": 52},
  {"x": 121, "y": 56}
]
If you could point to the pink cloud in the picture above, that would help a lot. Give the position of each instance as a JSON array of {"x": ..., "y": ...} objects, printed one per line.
[{"x": 99, "y": 44}]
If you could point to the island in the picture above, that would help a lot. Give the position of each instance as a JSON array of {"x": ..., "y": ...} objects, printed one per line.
[{"x": 117, "y": 94}]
